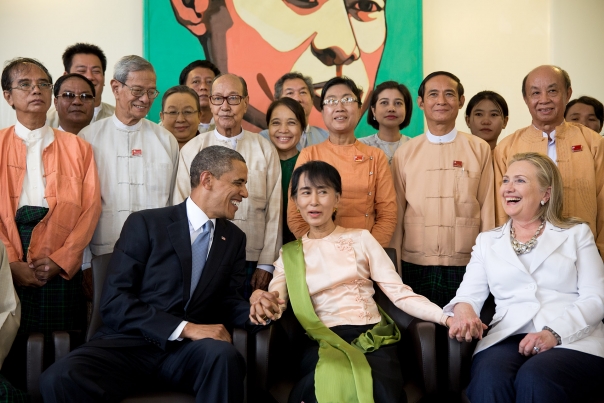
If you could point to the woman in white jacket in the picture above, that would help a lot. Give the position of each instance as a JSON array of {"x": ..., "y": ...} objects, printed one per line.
[{"x": 546, "y": 340}]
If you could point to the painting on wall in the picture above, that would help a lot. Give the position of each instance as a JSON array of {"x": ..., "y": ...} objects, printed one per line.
[{"x": 370, "y": 41}]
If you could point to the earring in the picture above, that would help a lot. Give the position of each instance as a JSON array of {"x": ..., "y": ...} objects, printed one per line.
[
  {"x": 543, "y": 202},
  {"x": 335, "y": 209},
  {"x": 298, "y": 210},
  {"x": 374, "y": 118}
]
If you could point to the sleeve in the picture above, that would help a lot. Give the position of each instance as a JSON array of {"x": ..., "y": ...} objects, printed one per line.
[
  {"x": 474, "y": 289},
  {"x": 182, "y": 187},
  {"x": 295, "y": 222},
  {"x": 174, "y": 154},
  {"x": 69, "y": 256},
  {"x": 272, "y": 219},
  {"x": 121, "y": 309},
  {"x": 487, "y": 197},
  {"x": 384, "y": 202},
  {"x": 598, "y": 153},
  {"x": 500, "y": 165},
  {"x": 384, "y": 274},
  {"x": 278, "y": 282},
  {"x": 10, "y": 307},
  {"x": 581, "y": 318},
  {"x": 398, "y": 178}
]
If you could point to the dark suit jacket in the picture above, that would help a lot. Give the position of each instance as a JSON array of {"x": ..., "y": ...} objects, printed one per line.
[{"x": 149, "y": 279}]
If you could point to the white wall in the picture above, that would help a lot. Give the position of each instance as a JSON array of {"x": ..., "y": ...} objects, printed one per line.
[{"x": 488, "y": 44}]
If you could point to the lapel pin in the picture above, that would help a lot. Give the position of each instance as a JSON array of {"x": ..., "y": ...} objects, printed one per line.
[
  {"x": 137, "y": 152},
  {"x": 457, "y": 164},
  {"x": 358, "y": 158},
  {"x": 577, "y": 148}
]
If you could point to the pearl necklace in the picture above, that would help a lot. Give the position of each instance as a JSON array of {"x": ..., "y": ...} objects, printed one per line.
[{"x": 520, "y": 247}]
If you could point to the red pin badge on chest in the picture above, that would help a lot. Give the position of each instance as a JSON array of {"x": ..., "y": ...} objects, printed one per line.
[
  {"x": 358, "y": 158},
  {"x": 457, "y": 164},
  {"x": 577, "y": 148},
  {"x": 137, "y": 152}
]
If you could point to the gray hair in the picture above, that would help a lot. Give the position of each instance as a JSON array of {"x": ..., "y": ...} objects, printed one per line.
[
  {"x": 217, "y": 160},
  {"x": 292, "y": 76},
  {"x": 129, "y": 64}
]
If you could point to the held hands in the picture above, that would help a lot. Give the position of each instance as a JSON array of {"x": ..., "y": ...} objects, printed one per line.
[
  {"x": 465, "y": 325},
  {"x": 260, "y": 279},
  {"x": 536, "y": 343},
  {"x": 196, "y": 332},
  {"x": 265, "y": 305}
]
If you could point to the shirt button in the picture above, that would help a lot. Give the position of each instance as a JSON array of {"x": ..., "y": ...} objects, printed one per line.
[
  {"x": 369, "y": 193},
  {"x": 370, "y": 158},
  {"x": 366, "y": 215},
  {"x": 371, "y": 173}
]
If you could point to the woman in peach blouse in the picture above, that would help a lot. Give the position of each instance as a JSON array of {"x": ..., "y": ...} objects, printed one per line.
[{"x": 330, "y": 287}]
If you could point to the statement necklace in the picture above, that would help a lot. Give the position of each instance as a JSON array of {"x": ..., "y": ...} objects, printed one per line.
[{"x": 520, "y": 247}]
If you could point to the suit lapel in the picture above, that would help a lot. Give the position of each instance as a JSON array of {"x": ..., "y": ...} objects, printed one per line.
[
  {"x": 503, "y": 248},
  {"x": 178, "y": 233},
  {"x": 217, "y": 251},
  {"x": 547, "y": 243}
]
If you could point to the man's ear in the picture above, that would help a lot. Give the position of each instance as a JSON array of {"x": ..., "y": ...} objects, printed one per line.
[
  {"x": 190, "y": 15},
  {"x": 114, "y": 85},
  {"x": 205, "y": 180},
  {"x": 420, "y": 103}
]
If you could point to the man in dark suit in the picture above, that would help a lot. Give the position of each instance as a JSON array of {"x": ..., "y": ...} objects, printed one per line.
[{"x": 172, "y": 291}]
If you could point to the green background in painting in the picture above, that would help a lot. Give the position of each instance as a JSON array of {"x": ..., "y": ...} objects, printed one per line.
[{"x": 170, "y": 47}]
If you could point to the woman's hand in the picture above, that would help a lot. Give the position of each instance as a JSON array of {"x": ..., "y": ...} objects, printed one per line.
[
  {"x": 465, "y": 325},
  {"x": 536, "y": 343},
  {"x": 265, "y": 305}
]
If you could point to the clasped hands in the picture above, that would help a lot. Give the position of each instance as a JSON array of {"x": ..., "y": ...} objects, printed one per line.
[
  {"x": 34, "y": 274},
  {"x": 264, "y": 305}
]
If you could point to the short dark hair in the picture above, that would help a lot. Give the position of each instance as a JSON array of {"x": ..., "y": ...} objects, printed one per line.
[
  {"x": 62, "y": 79},
  {"x": 15, "y": 63},
  {"x": 293, "y": 75},
  {"x": 422, "y": 86},
  {"x": 217, "y": 160},
  {"x": 492, "y": 96},
  {"x": 205, "y": 64},
  {"x": 597, "y": 105},
  {"x": 83, "y": 48},
  {"x": 318, "y": 173},
  {"x": 358, "y": 92},
  {"x": 180, "y": 89},
  {"x": 293, "y": 106},
  {"x": 375, "y": 95},
  {"x": 243, "y": 83},
  {"x": 565, "y": 77}
]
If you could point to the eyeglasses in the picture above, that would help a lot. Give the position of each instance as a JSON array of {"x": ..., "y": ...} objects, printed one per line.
[
  {"x": 70, "y": 96},
  {"x": 231, "y": 99},
  {"x": 344, "y": 101},
  {"x": 139, "y": 92},
  {"x": 31, "y": 86},
  {"x": 186, "y": 114}
]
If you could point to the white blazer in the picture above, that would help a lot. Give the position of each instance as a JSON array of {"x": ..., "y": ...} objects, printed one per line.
[{"x": 562, "y": 289}]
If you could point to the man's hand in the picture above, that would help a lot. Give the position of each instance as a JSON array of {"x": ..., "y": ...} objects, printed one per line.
[
  {"x": 264, "y": 305},
  {"x": 198, "y": 332},
  {"x": 536, "y": 343},
  {"x": 465, "y": 325},
  {"x": 24, "y": 276},
  {"x": 45, "y": 269},
  {"x": 260, "y": 279}
]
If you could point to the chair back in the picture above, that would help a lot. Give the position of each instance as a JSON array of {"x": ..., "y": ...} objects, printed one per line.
[{"x": 99, "y": 269}]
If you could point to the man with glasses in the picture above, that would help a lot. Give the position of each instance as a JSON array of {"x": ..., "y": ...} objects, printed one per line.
[
  {"x": 49, "y": 205},
  {"x": 198, "y": 76},
  {"x": 74, "y": 102},
  {"x": 136, "y": 157},
  {"x": 258, "y": 216},
  {"x": 90, "y": 61}
]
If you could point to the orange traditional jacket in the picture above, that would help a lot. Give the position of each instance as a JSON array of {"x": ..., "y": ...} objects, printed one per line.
[
  {"x": 580, "y": 159},
  {"x": 72, "y": 193}
]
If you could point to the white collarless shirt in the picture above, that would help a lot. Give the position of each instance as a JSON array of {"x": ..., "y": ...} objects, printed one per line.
[
  {"x": 551, "y": 145},
  {"x": 230, "y": 141},
  {"x": 447, "y": 138}
]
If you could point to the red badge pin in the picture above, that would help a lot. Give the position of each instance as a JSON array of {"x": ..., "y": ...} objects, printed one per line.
[
  {"x": 457, "y": 164},
  {"x": 358, "y": 158},
  {"x": 137, "y": 152},
  {"x": 577, "y": 148}
]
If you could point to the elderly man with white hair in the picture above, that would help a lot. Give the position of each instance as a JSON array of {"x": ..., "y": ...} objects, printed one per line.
[{"x": 136, "y": 158}]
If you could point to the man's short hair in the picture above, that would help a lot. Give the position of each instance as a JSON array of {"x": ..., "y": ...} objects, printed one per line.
[
  {"x": 62, "y": 79},
  {"x": 130, "y": 64},
  {"x": 83, "y": 48},
  {"x": 243, "y": 83},
  {"x": 205, "y": 64},
  {"x": 180, "y": 89},
  {"x": 293, "y": 76},
  {"x": 422, "y": 86},
  {"x": 565, "y": 77},
  {"x": 594, "y": 103},
  {"x": 15, "y": 63},
  {"x": 217, "y": 160}
]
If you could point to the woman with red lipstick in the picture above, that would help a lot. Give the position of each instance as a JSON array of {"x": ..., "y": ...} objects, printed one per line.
[
  {"x": 487, "y": 115},
  {"x": 286, "y": 119},
  {"x": 546, "y": 340},
  {"x": 390, "y": 111},
  {"x": 369, "y": 200}
]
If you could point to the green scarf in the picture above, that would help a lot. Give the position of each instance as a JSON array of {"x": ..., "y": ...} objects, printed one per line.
[{"x": 342, "y": 373}]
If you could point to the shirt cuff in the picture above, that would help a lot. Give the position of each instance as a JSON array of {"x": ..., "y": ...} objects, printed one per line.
[
  {"x": 176, "y": 333},
  {"x": 266, "y": 267}
]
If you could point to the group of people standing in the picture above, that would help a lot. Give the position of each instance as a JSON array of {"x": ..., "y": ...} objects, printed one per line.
[{"x": 107, "y": 180}]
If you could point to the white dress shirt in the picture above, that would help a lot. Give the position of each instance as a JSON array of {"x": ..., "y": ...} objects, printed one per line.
[
  {"x": 32, "y": 193},
  {"x": 197, "y": 219},
  {"x": 447, "y": 138},
  {"x": 551, "y": 146}
]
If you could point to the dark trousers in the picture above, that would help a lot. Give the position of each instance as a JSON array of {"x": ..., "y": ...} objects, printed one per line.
[
  {"x": 437, "y": 283},
  {"x": 384, "y": 363},
  {"x": 211, "y": 370},
  {"x": 501, "y": 374}
]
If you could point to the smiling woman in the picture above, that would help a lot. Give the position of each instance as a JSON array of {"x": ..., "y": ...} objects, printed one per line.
[{"x": 180, "y": 113}]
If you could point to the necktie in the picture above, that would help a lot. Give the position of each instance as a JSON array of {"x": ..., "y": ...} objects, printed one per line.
[{"x": 199, "y": 251}]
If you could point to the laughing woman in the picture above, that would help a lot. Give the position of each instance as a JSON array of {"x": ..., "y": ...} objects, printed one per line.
[{"x": 328, "y": 276}]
